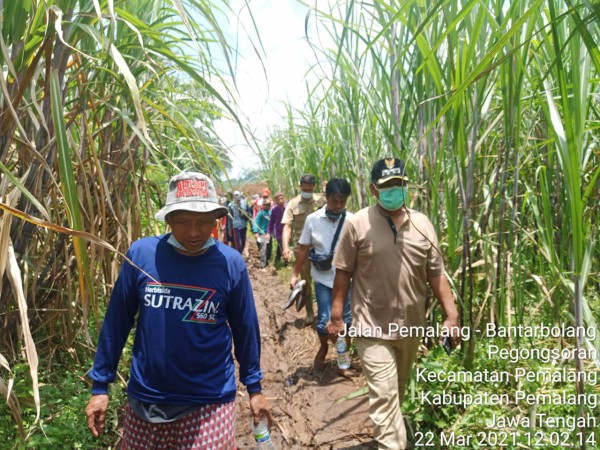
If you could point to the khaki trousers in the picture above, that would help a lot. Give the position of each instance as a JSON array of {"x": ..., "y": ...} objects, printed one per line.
[{"x": 387, "y": 366}]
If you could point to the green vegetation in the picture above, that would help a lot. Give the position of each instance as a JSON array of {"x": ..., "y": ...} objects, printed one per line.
[
  {"x": 493, "y": 104},
  {"x": 62, "y": 424},
  {"x": 494, "y": 107},
  {"x": 101, "y": 102}
]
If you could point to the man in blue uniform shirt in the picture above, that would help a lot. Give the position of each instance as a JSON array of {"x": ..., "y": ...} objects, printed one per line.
[{"x": 194, "y": 302}]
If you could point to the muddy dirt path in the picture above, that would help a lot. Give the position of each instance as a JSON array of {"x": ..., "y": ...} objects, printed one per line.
[{"x": 303, "y": 401}]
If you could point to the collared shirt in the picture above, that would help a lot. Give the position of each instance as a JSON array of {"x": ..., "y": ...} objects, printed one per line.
[
  {"x": 390, "y": 269},
  {"x": 318, "y": 233},
  {"x": 298, "y": 210}
]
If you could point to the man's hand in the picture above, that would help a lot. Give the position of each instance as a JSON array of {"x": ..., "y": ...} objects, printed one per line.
[
  {"x": 441, "y": 289},
  {"x": 95, "y": 412},
  {"x": 286, "y": 234},
  {"x": 334, "y": 327},
  {"x": 341, "y": 284},
  {"x": 294, "y": 280},
  {"x": 259, "y": 405},
  {"x": 451, "y": 324},
  {"x": 287, "y": 254}
]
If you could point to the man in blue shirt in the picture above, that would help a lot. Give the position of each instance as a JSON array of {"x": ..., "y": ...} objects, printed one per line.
[{"x": 193, "y": 301}]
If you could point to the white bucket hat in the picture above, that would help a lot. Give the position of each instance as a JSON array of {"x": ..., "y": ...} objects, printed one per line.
[{"x": 191, "y": 191}]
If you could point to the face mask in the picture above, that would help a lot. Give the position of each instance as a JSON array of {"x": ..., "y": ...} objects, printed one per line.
[
  {"x": 306, "y": 195},
  {"x": 333, "y": 216},
  {"x": 393, "y": 198},
  {"x": 175, "y": 243}
]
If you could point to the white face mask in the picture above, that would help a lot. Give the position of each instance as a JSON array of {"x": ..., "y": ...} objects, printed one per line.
[
  {"x": 175, "y": 243},
  {"x": 306, "y": 195}
]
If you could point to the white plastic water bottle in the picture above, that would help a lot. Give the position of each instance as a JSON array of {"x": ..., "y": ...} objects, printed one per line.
[
  {"x": 343, "y": 355},
  {"x": 262, "y": 435}
]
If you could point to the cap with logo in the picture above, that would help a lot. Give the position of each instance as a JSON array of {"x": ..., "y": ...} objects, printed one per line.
[
  {"x": 388, "y": 169},
  {"x": 191, "y": 191},
  {"x": 266, "y": 192}
]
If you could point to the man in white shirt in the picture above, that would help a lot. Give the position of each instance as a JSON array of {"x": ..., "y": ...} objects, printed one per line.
[{"x": 318, "y": 234}]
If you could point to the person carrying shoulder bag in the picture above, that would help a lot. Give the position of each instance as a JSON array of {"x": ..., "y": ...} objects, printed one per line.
[
  {"x": 317, "y": 243},
  {"x": 322, "y": 261}
]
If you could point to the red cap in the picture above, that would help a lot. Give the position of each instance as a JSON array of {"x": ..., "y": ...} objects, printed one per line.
[{"x": 266, "y": 192}]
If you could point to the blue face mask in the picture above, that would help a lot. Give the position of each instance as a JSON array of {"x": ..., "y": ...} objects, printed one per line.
[
  {"x": 393, "y": 198},
  {"x": 333, "y": 216},
  {"x": 175, "y": 243}
]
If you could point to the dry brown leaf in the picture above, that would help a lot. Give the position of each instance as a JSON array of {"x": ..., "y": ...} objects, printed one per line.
[
  {"x": 13, "y": 404},
  {"x": 13, "y": 273}
]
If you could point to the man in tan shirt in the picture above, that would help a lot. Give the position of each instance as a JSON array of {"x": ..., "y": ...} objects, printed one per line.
[
  {"x": 390, "y": 253},
  {"x": 294, "y": 216}
]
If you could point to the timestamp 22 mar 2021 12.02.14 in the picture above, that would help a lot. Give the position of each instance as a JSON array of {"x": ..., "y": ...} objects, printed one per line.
[{"x": 495, "y": 439}]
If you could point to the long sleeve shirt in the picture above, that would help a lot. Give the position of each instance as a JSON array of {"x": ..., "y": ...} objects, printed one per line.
[
  {"x": 191, "y": 312},
  {"x": 239, "y": 214},
  {"x": 261, "y": 222},
  {"x": 275, "y": 227}
]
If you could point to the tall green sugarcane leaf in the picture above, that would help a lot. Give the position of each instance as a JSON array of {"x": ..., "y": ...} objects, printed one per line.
[
  {"x": 464, "y": 12},
  {"x": 591, "y": 186},
  {"x": 133, "y": 87},
  {"x": 569, "y": 146},
  {"x": 586, "y": 36},
  {"x": 69, "y": 188},
  {"x": 483, "y": 65}
]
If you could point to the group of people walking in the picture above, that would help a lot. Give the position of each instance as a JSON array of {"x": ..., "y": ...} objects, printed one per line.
[
  {"x": 264, "y": 219},
  {"x": 191, "y": 297}
]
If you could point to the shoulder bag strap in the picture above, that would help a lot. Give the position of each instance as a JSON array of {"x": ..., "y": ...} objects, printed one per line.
[{"x": 337, "y": 233}]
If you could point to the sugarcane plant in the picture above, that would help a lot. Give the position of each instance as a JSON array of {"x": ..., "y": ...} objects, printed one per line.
[
  {"x": 494, "y": 107},
  {"x": 101, "y": 102}
]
